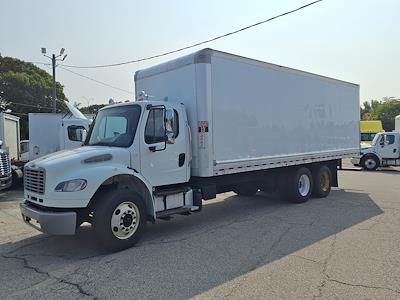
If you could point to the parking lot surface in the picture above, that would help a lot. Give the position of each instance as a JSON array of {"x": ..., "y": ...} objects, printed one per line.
[{"x": 345, "y": 246}]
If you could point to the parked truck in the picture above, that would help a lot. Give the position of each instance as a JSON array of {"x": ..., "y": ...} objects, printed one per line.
[
  {"x": 50, "y": 132},
  {"x": 9, "y": 149},
  {"x": 383, "y": 152},
  {"x": 215, "y": 122}
]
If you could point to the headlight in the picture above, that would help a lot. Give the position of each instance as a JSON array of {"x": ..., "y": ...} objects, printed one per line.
[{"x": 71, "y": 185}]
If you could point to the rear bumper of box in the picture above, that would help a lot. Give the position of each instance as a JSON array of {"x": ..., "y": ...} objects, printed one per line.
[{"x": 50, "y": 222}]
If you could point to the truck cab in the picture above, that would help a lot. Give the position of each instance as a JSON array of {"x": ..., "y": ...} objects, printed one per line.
[
  {"x": 383, "y": 152},
  {"x": 140, "y": 148}
]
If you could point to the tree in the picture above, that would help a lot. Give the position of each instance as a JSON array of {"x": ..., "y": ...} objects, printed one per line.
[
  {"x": 385, "y": 110},
  {"x": 91, "y": 109},
  {"x": 25, "y": 88}
]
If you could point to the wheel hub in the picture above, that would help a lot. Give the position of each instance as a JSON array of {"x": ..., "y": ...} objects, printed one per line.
[
  {"x": 370, "y": 163},
  {"x": 125, "y": 220},
  {"x": 304, "y": 185}
]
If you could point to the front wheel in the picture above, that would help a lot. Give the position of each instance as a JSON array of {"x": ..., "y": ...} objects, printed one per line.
[
  {"x": 369, "y": 163},
  {"x": 119, "y": 219}
]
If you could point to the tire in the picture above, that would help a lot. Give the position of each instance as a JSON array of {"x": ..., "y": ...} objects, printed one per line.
[
  {"x": 296, "y": 186},
  {"x": 114, "y": 219},
  {"x": 246, "y": 189},
  {"x": 370, "y": 163},
  {"x": 322, "y": 182}
]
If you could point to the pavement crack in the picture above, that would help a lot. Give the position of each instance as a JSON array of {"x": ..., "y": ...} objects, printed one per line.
[
  {"x": 77, "y": 286},
  {"x": 26, "y": 265},
  {"x": 363, "y": 286},
  {"x": 305, "y": 258},
  {"x": 265, "y": 258},
  {"x": 325, "y": 267}
]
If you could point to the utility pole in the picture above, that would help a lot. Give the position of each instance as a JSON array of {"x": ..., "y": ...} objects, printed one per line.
[
  {"x": 54, "y": 59},
  {"x": 53, "y": 62}
]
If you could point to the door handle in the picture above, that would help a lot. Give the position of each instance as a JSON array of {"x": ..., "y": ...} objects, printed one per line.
[
  {"x": 394, "y": 150},
  {"x": 181, "y": 160}
]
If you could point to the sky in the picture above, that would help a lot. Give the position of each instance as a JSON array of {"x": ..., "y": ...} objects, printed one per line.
[{"x": 351, "y": 40}]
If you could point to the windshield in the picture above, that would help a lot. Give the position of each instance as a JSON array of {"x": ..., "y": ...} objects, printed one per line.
[
  {"x": 367, "y": 137},
  {"x": 375, "y": 140},
  {"x": 115, "y": 126}
]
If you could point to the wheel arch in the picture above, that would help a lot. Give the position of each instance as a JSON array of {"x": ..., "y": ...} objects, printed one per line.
[
  {"x": 131, "y": 182},
  {"x": 373, "y": 155}
]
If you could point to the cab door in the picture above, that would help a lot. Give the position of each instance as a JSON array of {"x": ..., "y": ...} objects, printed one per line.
[
  {"x": 163, "y": 159},
  {"x": 388, "y": 146}
]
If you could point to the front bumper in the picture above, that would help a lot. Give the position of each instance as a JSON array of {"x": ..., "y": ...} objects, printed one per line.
[
  {"x": 50, "y": 222},
  {"x": 5, "y": 182}
]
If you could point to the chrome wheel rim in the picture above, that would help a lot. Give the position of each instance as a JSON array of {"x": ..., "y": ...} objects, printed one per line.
[
  {"x": 125, "y": 220},
  {"x": 370, "y": 163},
  {"x": 304, "y": 185}
]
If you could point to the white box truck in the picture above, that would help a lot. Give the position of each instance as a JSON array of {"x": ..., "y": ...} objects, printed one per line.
[
  {"x": 384, "y": 150},
  {"x": 50, "y": 132},
  {"x": 9, "y": 147},
  {"x": 215, "y": 122}
]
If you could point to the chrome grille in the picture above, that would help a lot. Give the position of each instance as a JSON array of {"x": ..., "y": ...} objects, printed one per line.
[
  {"x": 34, "y": 180},
  {"x": 5, "y": 169}
]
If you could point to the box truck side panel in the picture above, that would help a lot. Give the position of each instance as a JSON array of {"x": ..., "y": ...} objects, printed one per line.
[{"x": 269, "y": 114}]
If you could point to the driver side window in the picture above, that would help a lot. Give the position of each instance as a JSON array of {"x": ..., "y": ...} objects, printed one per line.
[{"x": 155, "y": 131}]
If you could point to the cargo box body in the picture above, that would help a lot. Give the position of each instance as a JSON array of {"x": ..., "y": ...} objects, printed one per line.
[{"x": 247, "y": 115}]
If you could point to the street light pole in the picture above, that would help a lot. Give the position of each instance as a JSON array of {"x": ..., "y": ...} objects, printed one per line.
[{"x": 54, "y": 59}]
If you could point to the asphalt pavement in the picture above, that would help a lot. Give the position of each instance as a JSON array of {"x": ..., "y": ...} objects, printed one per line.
[{"x": 345, "y": 246}]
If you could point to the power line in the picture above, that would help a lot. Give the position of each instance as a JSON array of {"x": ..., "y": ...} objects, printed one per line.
[
  {"x": 95, "y": 80},
  {"x": 196, "y": 44},
  {"x": 29, "y": 105},
  {"x": 84, "y": 76}
]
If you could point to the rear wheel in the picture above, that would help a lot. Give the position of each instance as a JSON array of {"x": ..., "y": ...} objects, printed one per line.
[
  {"x": 322, "y": 182},
  {"x": 369, "y": 163},
  {"x": 119, "y": 219},
  {"x": 296, "y": 186}
]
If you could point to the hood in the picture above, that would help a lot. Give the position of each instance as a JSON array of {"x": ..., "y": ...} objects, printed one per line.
[
  {"x": 365, "y": 146},
  {"x": 74, "y": 158}
]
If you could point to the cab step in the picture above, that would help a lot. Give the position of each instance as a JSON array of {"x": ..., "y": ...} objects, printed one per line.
[{"x": 184, "y": 210}]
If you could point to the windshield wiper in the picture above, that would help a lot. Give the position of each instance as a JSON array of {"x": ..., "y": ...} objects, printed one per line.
[{"x": 100, "y": 144}]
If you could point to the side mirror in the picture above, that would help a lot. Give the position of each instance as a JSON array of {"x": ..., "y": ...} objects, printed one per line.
[
  {"x": 81, "y": 134},
  {"x": 169, "y": 125}
]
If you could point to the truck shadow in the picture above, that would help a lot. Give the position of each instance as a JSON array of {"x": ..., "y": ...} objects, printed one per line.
[{"x": 187, "y": 256}]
